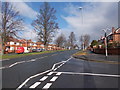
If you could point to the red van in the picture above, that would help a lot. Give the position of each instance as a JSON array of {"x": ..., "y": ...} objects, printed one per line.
[{"x": 20, "y": 50}]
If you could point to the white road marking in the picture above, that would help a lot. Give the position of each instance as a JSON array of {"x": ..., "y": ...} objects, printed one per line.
[
  {"x": 31, "y": 78},
  {"x": 59, "y": 73},
  {"x": 32, "y": 60},
  {"x": 35, "y": 85},
  {"x": 93, "y": 74},
  {"x": 50, "y": 73},
  {"x": 2, "y": 68},
  {"x": 38, "y": 75},
  {"x": 63, "y": 62},
  {"x": 54, "y": 78},
  {"x": 53, "y": 54},
  {"x": 13, "y": 64},
  {"x": 4, "y": 60},
  {"x": 47, "y": 86},
  {"x": 44, "y": 78}
]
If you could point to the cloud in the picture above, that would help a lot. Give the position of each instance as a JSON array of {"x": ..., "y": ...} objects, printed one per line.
[
  {"x": 96, "y": 16},
  {"x": 63, "y": 0},
  {"x": 29, "y": 33},
  {"x": 24, "y": 9}
]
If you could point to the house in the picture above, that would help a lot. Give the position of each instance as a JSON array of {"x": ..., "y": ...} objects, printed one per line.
[
  {"x": 13, "y": 43},
  {"x": 40, "y": 45},
  {"x": 29, "y": 45},
  {"x": 114, "y": 35}
]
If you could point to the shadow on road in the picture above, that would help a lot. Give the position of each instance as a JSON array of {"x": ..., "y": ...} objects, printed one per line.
[{"x": 89, "y": 81}]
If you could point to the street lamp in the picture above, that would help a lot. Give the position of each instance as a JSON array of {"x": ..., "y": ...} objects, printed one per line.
[
  {"x": 105, "y": 30},
  {"x": 81, "y": 8}
]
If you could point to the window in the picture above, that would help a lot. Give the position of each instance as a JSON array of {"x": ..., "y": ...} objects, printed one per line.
[
  {"x": 17, "y": 43},
  {"x": 11, "y": 48},
  {"x": 11, "y": 43}
]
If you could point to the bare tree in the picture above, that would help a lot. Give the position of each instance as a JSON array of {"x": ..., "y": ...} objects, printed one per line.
[
  {"x": 72, "y": 39},
  {"x": 60, "y": 41},
  {"x": 11, "y": 22},
  {"x": 45, "y": 23},
  {"x": 84, "y": 39}
]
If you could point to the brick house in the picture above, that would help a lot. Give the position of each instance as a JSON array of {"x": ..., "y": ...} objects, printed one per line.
[
  {"x": 29, "y": 45},
  {"x": 113, "y": 36},
  {"x": 13, "y": 43}
]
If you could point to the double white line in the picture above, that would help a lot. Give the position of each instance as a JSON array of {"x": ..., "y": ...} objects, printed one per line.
[{"x": 53, "y": 69}]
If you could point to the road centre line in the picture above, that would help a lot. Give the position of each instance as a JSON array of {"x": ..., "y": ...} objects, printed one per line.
[
  {"x": 63, "y": 62},
  {"x": 47, "y": 86},
  {"x": 4, "y": 60},
  {"x": 32, "y": 60},
  {"x": 54, "y": 78},
  {"x": 44, "y": 78},
  {"x": 93, "y": 74},
  {"x": 21, "y": 85},
  {"x": 53, "y": 54},
  {"x": 35, "y": 85}
]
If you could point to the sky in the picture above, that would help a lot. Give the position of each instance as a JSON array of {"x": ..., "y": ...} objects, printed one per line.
[{"x": 91, "y": 19}]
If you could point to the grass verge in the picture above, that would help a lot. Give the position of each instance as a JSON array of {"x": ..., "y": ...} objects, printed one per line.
[
  {"x": 10, "y": 56},
  {"x": 80, "y": 53}
]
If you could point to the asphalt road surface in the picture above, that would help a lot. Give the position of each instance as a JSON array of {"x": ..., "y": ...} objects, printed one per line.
[{"x": 58, "y": 70}]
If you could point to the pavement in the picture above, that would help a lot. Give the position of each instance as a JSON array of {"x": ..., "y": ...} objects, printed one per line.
[
  {"x": 113, "y": 59},
  {"x": 58, "y": 70}
]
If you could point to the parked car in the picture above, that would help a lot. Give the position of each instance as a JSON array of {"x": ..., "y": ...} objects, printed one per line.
[
  {"x": 34, "y": 50},
  {"x": 39, "y": 50},
  {"x": 26, "y": 51},
  {"x": 20, "y": 50}
]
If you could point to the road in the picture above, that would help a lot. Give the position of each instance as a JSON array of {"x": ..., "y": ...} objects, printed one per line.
[{"x": 58, "y": 70}]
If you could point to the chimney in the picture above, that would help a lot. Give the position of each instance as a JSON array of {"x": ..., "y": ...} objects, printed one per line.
[{"x": 113, "y": 30}]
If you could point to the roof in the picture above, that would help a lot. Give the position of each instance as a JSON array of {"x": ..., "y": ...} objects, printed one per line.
[
  {"x": 117, "y": 30},
  {"x": 39, "y": 43}
]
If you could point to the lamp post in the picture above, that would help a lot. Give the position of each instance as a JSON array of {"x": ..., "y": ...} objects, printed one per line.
[
  {"x": 105, "y": 30},
  {"x": 81, "y": 8}
]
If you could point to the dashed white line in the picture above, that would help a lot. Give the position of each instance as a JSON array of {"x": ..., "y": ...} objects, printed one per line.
[
  {"x": 47, "y": 86},
  {"x": 16, "y": 63},
  {"x": 53, "y": 54},
  {"x": 50, "y": 73},
  {"x": 41, "y": 74},
  {"x": 31, "y": 78},
  {"x": 35, "y": 85},
  {"x": 44, "y": 78},
  {"x": 59, "y": 73},
  {"x": 54, "y": 78}
]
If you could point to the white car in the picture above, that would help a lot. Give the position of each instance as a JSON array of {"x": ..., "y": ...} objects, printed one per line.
[{"x": 26, "y": 51}]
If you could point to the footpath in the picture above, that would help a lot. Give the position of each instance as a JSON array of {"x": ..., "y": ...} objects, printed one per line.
[{"x": 89, "y": 56}]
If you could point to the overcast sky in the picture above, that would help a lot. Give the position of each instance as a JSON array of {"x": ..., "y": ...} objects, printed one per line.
[{"x": 95, "y": 15}]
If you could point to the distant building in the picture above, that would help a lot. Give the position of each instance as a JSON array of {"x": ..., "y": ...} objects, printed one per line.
[{"x": 29, "y": 45}]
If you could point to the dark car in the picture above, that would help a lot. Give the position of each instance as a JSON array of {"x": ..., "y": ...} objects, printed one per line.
[
  {"x": 39, "y": 50},
  {"x": 34, "y": 50}
]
